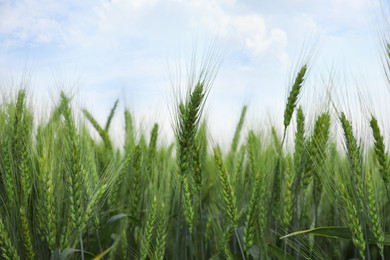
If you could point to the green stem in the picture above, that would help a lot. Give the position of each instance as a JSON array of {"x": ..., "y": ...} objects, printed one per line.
[
  {"x": 239, "y": 243},
  {"x": 82, "y": 247},
  {"x": 178, "y": 249}
]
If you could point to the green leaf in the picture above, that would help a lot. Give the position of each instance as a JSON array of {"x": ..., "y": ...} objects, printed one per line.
[
  {"x": 278, "y": 253},
  {"x": 335, "y": 232},
  {"x": 69, "y": 252},
  {"x": 119, "y": 217},
  {"x": 103, "y": 254},
  {"x": 254, "y": 252}
]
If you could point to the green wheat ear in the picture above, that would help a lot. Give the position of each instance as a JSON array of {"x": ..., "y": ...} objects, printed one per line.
[
  {"x": 380, "y": 151},
  {"x": 7, "y": 249},
  {"x": 354, "y": 156},
  {"x": 227, "y": 190},
  {"x": 293, "y": 96},
  {"x": 129, "y": 131},
  {"x": 355, "y": 166},
  {"x": 299, "y": 142},
  {"x": 187, "y": 205},
  {"x": 162, "y": 230},
  {"x": 236, "y": 137},
  {"x": 187, "y": 127},
  {"x": 373, "y": 216},
  {"x": 288, "y": 193},
  {"x": 353, "y": 220},
  {"x": 231, "y": 162},
  {"x": 252, "y": 211},
  {"x": 103, "y": 133},
  {"x": 148, "y": 231},
  {"x": 18, "y": 119},
  {"x": 152, "y": 148},
  {"x": 299, "y": 158},
  {"x": 111, "y": 116}
]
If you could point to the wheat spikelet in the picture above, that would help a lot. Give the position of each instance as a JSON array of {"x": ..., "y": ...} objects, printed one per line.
[
  {"x": 27, "y": 239},
  {"x": 373, "y": 216},
  {"x": 24, "y": 167},
  {"x": 152, "y": 148},
  {"x": 277, "y": 176},
  {"x": 161, "y": 236},
  {"x": 288, "y": 192},
  {"x": 92, "y": 179},
  {"x": 299, "y": 145},
  {"x": 237, "y": 132},
  {"x": 227, "y": 190},
  {"x": 252, "y": 156},
  {"x": 76, "y": 182},
  {"x": 299, "y": 160},
  {"x": 45, "y": 209},
  {"x": 114, "y": 199},
  {"x": 353, "y": 221},
  {"x": 354, "y": 158},
  {"x": 88, "y": 212},
  {"x": 380, "y": 151},
  {"x": 187, "y": 126},
  {"x": 103, "y": 134},
  {"x": 50, "y": 211},
  {"x": 199, "y": 156},
  {"x": 263, "y": 217},
  {"x": 18, "y": 116},
  {"x": 252, "y": 213},
  {"x": 197, "y": 168},
  {"x": 238, "y": 165},
  {"x": 276, "y": 141},
  {"x": 148, "y": 231},
  {"x": 189, "y": 115},
  {"x": 187, "y": 206},
  {"x": 317, "y": 150},
  {"x": 293, "y": 96},
  {"x": 75, "y": 177},
  {"x": 317, "y": 147},
  {"x": 9, "y": 180},
  {"x": 136, "y": 187},
  {"x": 111, "y": 116},
  {"x": 129, "y": 131},
  {"x": 7, "y": 250}
]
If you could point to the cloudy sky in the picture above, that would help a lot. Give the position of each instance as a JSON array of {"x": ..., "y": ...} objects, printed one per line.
[{"x": 104, "y": 50}]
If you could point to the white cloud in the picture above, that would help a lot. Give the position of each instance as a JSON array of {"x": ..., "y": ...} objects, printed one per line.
[
  {"x": 28, "y": 22},
  {"x": 110, "y": 24},
  {"x": 249, "y": 31},
  {"x": 138, "y": 3},
  {"x": 351, "y": 6},
  {"x": 253, "y": 32},
  {"x": 307, "y": 23}
]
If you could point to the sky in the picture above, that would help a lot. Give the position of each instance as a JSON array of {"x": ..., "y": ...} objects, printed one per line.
[{"x": 140, "y": 50}]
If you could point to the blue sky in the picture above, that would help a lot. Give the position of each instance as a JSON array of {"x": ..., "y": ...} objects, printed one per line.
[{"x": 103, "y": 50}]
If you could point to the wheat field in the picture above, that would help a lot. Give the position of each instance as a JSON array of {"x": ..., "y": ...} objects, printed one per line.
[{"x": 67, "y": 195}]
